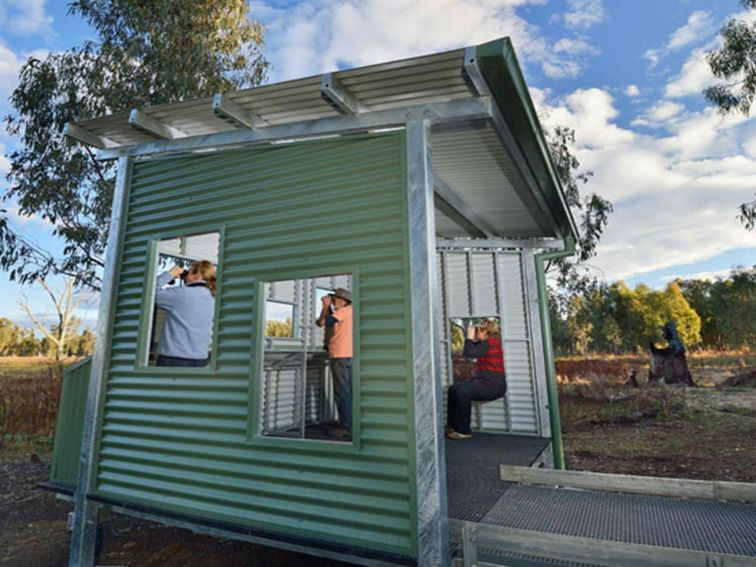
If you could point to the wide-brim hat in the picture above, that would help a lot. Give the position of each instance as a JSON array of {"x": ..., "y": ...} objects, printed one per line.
[{"x": 343, "y": 293}]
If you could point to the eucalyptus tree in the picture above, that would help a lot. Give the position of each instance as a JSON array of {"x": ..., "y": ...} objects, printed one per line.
[
  {"x": 735, "y": 64},
  {"x": 144, "y": 52}
]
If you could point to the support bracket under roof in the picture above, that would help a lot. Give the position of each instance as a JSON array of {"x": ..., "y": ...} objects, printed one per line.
[
  {"x": 336, "y": 93},
  {"x": 152, "y": 127},
  {"x": 229, "y": 111},
  {"x": 459, "y": 211}
]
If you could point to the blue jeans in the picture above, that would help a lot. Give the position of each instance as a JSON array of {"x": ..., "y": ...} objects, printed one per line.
[
  {"x": 341, "y": 370},
  {"x": 462, "y": 394},
  {"x": 163, "y": 360}
]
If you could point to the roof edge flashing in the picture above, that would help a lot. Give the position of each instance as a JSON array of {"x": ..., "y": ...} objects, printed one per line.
[{"x": 503, "y": 75}]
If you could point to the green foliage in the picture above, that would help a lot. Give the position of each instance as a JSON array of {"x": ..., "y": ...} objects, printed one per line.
[
  {"x": 17, "y": 341},
  {"x": 735, "y": 63},
  {"x": 279, "y": 328},
  {"x": 144, "y": 53},
  {"x": 718, "y": 315},
  {"x": 457, "y": 339},
  {"x": 727, "y": 308}
]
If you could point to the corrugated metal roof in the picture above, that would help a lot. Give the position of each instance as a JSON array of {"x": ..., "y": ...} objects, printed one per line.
[
  {"x": 471, "y": 159},
  {"x": 419, "y": 80}
]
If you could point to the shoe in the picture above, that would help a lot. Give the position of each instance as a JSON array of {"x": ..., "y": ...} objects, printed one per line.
[
  {"x": 457, "y": 435},
  {"x": 338, "y": 432}
]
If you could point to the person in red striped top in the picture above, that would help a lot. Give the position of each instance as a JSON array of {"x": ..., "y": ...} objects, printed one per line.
[{"x": 488, "y": 383}]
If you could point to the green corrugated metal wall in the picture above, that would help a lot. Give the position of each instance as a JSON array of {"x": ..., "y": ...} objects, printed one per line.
[
  {"x": 180, "y": 441},
  {"x": 69, "y": 426}
]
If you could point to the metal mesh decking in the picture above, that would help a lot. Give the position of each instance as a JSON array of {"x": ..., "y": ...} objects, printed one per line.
[
  {"x": 472, "y": 470},
  {"x": 702, "y": 525}
]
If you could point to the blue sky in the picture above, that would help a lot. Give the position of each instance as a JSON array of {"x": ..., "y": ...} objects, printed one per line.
[{"x": 625, "y": 74}]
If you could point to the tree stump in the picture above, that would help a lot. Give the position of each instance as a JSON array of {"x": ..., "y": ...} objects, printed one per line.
[{"x": 669, "y": 368}]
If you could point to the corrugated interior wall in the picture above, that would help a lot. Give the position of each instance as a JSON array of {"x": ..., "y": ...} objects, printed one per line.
[
  {"x": 480, "y": 284},
  {"x": 179, "y": 440}
]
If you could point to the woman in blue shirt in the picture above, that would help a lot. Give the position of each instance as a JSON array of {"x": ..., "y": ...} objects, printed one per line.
[{"x": 189, "y": 312}]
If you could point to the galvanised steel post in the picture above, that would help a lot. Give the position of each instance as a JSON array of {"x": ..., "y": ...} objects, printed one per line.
[
  {"x": 430, "y": 461},
  {"x": 86, "y": 512},
  {"x": 548, "y": 347}
]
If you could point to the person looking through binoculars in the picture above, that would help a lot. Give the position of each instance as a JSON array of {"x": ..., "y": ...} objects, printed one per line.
[
  {"x": 483, "y": 343},
  {"x": 189, "y": 311},
  {"x": 336, "y": 317}
]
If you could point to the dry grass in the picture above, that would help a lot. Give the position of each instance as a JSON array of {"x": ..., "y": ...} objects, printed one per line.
[
  {"x": 29, "y": 398},
  {"x": 709, "y": 368},
  {"x": 610, "y": 426},
  {"x": 606, "y": 403}
]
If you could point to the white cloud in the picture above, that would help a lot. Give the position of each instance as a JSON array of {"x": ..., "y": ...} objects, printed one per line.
[
  {"x": 4, "y": 163},
  {"x": 749, "y": 146},
  {"x": 659, "y": 114},
  {"x": 694, "y": 77},
  {"x": 632, "y": 90},
  {"x": 653, "y": 55},
  {"x": 10, "y": 63},
  {"x": 710, "y": 275},
  {"x": 583, "y": 14},
  {"x": 574, "y": 47},
  {"x": 705, "y": 133},
  {"x": 675, "y": 198},
  {"x": 699, "y": 28},
  {"x": 25, "y": 17},
  {"x": 590, "y": 113},
  {"x": 700, "y": 25},
  {"x": 306, "y": 39}
]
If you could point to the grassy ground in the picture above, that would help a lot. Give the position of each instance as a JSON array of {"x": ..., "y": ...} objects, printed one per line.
[
  {"x": 701, "y": 433},
  {"x": 29, "y": 398}
]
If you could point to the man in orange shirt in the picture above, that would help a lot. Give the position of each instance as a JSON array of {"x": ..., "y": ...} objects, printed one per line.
[{"x": 336, "y": 315}]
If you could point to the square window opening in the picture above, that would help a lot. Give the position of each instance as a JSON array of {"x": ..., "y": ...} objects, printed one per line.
[
  {"x": 183, "y": 304},
  {"x": 306, "y": 379}
]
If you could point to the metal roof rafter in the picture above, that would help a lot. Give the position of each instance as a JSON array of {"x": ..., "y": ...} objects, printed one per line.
[
  {"x": 85, "y": 136},
  {"x": 228, "y": 111},
  {"x": 148, "y": 125},
  {"x": 336, "y": 93}
]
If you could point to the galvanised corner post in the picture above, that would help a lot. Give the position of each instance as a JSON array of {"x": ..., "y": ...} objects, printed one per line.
[
  {"x": 430, "y": 462},
  {"x": 86, "y": 512}
]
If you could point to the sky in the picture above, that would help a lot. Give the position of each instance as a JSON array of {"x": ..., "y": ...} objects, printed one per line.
[{"x": 626, "y": 75}]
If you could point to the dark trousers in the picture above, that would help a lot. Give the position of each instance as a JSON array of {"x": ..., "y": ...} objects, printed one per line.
[
  {"x": 462, "y": 394},
  {"x": 183, "y": 362},
  {"x": 341, "y": 371}
]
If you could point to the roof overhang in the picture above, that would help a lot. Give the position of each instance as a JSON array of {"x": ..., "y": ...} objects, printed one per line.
[{"x": 494, "y": 178}]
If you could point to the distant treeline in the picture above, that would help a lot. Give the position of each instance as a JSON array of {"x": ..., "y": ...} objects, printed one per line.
[
  {"x": 18, "y": 341},
  {"x": 710, "y": 314}
]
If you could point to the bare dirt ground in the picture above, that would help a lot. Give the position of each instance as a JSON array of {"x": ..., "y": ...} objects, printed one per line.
[
  {"x": 34, "y": 534},
  {"x": 708, "y": 432}
]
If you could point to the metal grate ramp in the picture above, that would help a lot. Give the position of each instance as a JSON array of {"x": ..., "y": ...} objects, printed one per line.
[
  {"x": 539, "y": 525},
  {"x": 472, "y": 470},
  {"x": 702, "y": 525}
]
